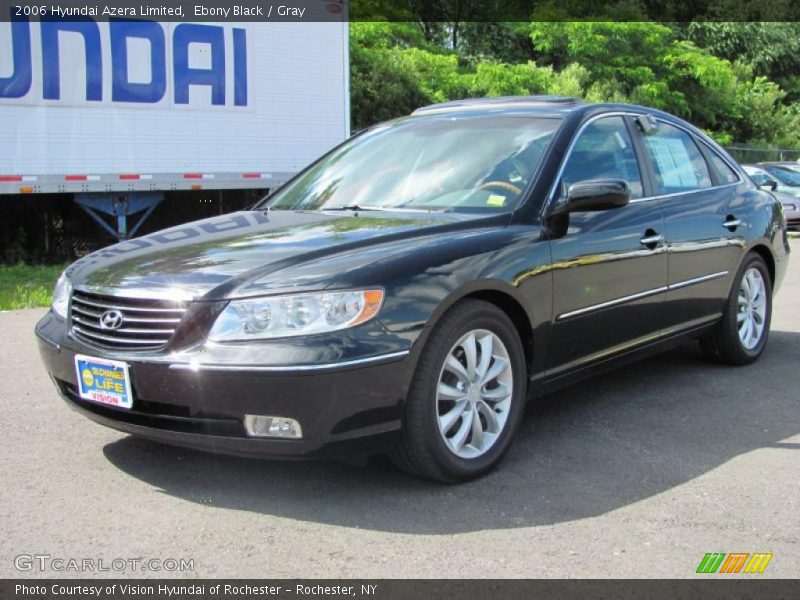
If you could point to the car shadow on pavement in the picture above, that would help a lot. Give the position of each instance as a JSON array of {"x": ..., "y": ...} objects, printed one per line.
[{"x": 594, "y": 447}]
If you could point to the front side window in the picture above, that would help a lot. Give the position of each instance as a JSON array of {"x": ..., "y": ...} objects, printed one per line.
[
  {"x": 604, "y": 151},
  {"x": 678, "y": 164},
  {"x": 443, "y": 163}
]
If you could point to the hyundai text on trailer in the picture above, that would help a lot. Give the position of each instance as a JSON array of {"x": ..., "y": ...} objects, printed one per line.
[
  {"x": 409, "y": 290},
  {"x": 118, "y": 114}
]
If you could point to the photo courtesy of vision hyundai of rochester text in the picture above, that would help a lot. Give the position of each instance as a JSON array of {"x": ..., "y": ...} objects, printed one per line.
[{"x": 409, "y": 291}]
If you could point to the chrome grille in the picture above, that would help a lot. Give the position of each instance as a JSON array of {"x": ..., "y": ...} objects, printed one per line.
[{"x": 145, "y": 324}]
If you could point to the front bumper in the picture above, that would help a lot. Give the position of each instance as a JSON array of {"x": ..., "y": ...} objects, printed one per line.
[{"x": 346, "y": 407}]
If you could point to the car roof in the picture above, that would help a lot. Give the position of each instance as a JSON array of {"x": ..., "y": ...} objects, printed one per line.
[
  {"x": 532, "y": 103},
  {"x": 540, "y": 106}
]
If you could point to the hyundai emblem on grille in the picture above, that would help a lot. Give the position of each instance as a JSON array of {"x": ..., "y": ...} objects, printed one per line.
[{"x": 111, "y": 319}]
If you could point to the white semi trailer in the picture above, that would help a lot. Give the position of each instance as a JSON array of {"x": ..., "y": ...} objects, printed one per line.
[{"x": 118, "y": 114}]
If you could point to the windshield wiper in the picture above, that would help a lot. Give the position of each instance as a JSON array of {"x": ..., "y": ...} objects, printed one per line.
[
  {"x": 387, "y": 208},
  {"x": 404, "y": 208},
  {"x": 352, "y": 207}
]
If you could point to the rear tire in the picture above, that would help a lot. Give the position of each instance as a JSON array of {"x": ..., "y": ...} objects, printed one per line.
[
  {"x": 466, "y": 398},
  {"x": 742, "y": 334}
]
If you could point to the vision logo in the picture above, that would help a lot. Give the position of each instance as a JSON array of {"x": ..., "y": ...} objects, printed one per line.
[{"x": 735, "y": 562}]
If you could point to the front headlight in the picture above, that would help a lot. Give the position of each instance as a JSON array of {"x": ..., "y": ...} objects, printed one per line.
[
  {"x": 288, "y": 316},
  {"x": 61, "y": 295}
]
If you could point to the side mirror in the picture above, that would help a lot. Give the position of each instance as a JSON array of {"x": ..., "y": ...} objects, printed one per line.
[
  {"x": 595, "y": 194},
  {"x": 769, "y": 185}
]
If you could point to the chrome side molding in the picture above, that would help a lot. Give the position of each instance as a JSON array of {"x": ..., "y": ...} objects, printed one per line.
[
  {"x": 623, "y": 299},
  {"x": 688, "y": 282}
]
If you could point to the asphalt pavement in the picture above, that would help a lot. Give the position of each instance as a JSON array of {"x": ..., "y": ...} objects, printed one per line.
[{"x": 637, "y": 473}]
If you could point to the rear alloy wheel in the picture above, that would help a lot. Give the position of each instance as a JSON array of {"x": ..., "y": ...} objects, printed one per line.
[
  {"x": 467, "y": 395},
  {"x": 742, "y": 333},
  {"x": 751, "y": 312}
]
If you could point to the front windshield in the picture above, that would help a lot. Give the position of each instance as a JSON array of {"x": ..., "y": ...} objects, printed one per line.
[
  {"x": 785, "y": 176},
  {"x": 441, "y": 163},
  {"x": 759, "y": 176}
]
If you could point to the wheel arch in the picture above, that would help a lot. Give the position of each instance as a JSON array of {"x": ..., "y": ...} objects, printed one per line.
[
  {"x": 516, "y": 312},
  {"x": 504, "y": 296},
  {"x": 764, "y": 252}
]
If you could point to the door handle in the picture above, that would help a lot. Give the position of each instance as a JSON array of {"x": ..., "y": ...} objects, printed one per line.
[
  {"x": 651, "y": 239},
  {"x": 731, "y": 223}
]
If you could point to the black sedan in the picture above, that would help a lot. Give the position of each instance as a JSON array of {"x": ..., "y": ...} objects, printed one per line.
[{"x": 409, "y": 291}]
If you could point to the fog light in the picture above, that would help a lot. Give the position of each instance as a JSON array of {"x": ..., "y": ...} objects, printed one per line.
[{"x": 264, "y": 426}]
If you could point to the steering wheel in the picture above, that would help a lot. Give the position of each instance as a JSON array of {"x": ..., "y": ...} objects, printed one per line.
[{"x": 503, "y": 185}]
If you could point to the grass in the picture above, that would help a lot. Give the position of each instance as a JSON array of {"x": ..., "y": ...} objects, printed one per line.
[{"x": 27, "y": 286}]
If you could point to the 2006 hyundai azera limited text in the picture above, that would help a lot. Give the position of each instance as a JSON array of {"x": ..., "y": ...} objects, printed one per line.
[{"x": 412, "y": 288}]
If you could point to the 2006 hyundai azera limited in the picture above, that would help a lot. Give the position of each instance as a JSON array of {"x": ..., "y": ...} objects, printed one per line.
[{"x": 407, "y": 292}]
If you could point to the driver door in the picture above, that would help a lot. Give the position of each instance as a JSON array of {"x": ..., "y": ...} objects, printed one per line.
[{"x": 609, "y": 266}]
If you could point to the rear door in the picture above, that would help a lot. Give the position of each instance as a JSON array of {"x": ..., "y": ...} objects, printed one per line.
[
  {"x": 705, "y": 218},
  {"x": 609, "y": 267}
]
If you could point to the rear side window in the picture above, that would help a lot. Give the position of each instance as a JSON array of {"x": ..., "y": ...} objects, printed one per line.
[
  {"x": 604, "y": 151},
  {"x": 725, "y": 173},
  {"x": 678, "y": 164}
]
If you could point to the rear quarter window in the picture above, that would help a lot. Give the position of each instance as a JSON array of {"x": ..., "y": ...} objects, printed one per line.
[{"x": 723, "y": 170}]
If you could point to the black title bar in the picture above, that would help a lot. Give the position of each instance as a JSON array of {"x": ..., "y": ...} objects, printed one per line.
[{"x": 398, "y": 10}]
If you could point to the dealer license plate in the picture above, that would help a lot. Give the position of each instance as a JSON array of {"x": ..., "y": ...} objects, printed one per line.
[{"x": 104, "y": 381}]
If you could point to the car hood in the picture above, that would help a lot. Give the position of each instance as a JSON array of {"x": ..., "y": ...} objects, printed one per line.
[
  {"x": 252, "y": 252},
  {"x": 785, "y": 198},
  {"x": 788, "y": 190}
]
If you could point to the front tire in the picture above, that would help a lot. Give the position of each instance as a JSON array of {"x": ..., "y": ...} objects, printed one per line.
[
  {"x": 742, "y": 333},
  {"x": 466, "y": 398}
]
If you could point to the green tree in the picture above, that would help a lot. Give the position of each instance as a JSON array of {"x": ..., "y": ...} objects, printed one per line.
[
  {"x": 397, "y": 67},
  {"x": 771, "y": 49}
]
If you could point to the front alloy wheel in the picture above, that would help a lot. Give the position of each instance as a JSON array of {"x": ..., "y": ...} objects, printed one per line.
[
  {"x": 474, "y": 394},
  {"x": 466, "y": 397}
]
